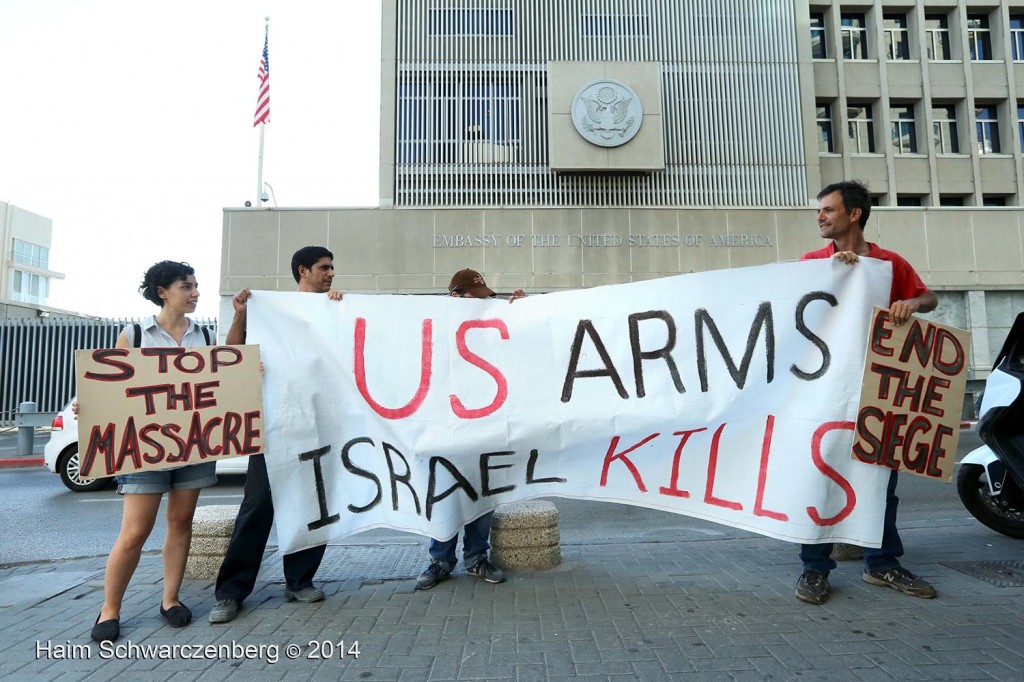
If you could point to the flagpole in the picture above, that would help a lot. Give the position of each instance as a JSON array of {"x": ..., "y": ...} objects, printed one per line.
[{"x": 259, "y": 168}]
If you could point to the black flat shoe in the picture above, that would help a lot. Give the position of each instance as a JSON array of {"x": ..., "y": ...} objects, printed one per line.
[
  {"x": 107, "y": 631},
  {"x": 177, "y": 616}
]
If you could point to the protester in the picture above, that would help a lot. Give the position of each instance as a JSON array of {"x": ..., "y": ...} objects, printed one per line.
[
  {"x": 173, "y": 287},
  {"x": 475, "y": 534},
  {"x": 843, "y": 211},
  {"x": 313, "y": 270}
]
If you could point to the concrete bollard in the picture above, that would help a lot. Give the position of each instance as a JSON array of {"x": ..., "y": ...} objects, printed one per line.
[
  {"x": 212, "y": 526},
  {"x": 26, "y": 431},
  {"x": 525, "y": 536},
  {"x": 844, "y": 552}
]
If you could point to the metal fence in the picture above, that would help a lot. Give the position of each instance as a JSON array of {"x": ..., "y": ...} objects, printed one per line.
[{"x": 37, "y": 358}]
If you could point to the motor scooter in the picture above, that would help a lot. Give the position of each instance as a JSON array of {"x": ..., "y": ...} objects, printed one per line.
[{"x": 991, "y": 478}]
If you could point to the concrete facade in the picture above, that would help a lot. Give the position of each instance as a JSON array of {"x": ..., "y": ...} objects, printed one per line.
[{"x": 744, "y": 151}]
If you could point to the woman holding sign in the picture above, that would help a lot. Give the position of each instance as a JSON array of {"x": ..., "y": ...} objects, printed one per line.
[{"x": 173, "y": 287}]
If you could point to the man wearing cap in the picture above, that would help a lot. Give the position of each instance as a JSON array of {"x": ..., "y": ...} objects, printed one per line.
[
  {"x": 843, "y": 210},
  {"x": 466, "y": 284}
]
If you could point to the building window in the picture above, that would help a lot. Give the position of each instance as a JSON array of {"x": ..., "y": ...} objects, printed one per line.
[
  {"x": 904, "y": 132},
  {"x": 993, "y": 200},
  {"x": 897, "y": 38},
  {"x": 1020, "y": 124},
  {"x": 908, "y": 200},
  {"x": 614, "y": 25},
  {"x": 860, "y": 129},
  {"x": 950, "y": 200},
  {"x": 854, "y": 36},
  {"x": 944, "y": 130},
  {"x": 31, "y": 254},
  {"x": 936, "y": 29},
  {"x": 979, "y": 37},
  {"x": 452, "y": 121},
  {"x": 825, "y": 145},
  {"x": 27, "y": 287},
  {"x": 470, "y": 21},
  {"x": 1017, "y": 37},
  {"x": 818, "y": 44},
  {"x": 987, "y": 128}
]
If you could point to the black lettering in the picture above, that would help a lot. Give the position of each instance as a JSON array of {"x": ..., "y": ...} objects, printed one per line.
[
  {"x": 396, "y": 479},
  {"x": 129, "y": 446},
  {"x": 805, "y": 331},
  {"x": 321, "y": 490},
  {"x": 918, "y": 342},
  {"x": 234, "y": 357},
  {"x": 232, "y": 425},
  {"x": 346, "y": 461},
  {"x": 158, "y": 455},
  {"x": 207, "y": 432},
  {"x": 665, "y": 352},
  {"x": 171, "y": 431},
  {"x": 485, "y": 473},
  {"x": 460, "y": 484},
  {"x": 531, "y": 465},
  {"x": 572, "y": 373},
  {"x": 739, "y": 375},
  {"x": 950, "y": 367}
]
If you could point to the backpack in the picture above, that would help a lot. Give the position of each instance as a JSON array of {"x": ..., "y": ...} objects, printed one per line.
[{"x": 137, "y": 338}]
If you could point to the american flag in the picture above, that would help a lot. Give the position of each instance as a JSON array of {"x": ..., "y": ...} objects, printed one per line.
[{"x": 263, "y": 101}]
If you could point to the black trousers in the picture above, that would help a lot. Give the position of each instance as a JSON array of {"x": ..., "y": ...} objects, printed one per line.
[{"x": 237, "y": 575}]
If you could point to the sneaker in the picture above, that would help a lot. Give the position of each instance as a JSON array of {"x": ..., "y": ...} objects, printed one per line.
[
  {"x": 224, "y": 611},
  {"x": 812, "y": 587},
  {"x": 486, "y": 570},
  {"x": 435, "y": 573},
  {"x": 307, "y": 595},
  {"x": 901, "y": 579}
]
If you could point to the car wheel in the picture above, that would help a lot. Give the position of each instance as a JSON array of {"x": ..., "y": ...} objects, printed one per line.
[{"x": 67, "y": 466}]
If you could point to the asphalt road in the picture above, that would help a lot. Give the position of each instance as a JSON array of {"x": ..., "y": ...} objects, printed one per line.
[{"x": 41, "y": 520}]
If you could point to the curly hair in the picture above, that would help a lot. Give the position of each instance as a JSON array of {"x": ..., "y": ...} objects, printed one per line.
[{"x": 163, "y": 274}]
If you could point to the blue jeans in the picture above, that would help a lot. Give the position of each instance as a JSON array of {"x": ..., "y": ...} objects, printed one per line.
[
  {"x": 819, "y": 557},
  {"x": 474, "y": 543}
]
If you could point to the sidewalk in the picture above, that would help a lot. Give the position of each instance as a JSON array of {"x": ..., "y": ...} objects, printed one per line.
[
  {"x": 701, "y": 608},
  {"x": 10, "y": 458}
]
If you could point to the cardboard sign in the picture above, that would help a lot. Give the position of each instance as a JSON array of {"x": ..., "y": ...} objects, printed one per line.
[
  {"x": 726, "y": 395},
  {"x": 915, "y": 376},
  {"x": 159, "y": 408}
]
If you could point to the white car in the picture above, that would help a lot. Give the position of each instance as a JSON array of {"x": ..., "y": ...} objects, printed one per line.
[{"x": 61, "y": 455}]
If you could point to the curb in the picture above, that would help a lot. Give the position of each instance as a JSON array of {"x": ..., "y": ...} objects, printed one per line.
[{"x": 21, "y": 462}]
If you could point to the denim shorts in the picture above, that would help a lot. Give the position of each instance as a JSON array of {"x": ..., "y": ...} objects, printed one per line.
[{"x": 165, "y": 480}]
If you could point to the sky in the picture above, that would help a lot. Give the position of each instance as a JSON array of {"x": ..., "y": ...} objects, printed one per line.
[{"x": 129, "y": 123}]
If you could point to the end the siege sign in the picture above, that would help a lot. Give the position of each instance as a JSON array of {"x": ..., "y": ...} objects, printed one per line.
[
  {"x": 158, "y": 408},
  {"x": 915, "y": 376}
]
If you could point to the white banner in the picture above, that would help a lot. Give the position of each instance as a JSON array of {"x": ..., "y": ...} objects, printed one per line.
[{"x": 727, "y": 395}]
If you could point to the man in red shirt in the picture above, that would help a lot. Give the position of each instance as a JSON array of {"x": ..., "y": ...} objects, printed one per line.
[{"x": 843, "y": 210}]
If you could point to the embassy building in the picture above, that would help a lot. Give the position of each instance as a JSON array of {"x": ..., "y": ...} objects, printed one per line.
[{"x": 558, "y": 144}]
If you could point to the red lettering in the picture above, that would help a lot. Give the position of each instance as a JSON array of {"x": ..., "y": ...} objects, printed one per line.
[
  {"x": 709, "y": 496},
  {"x": 129, "y": 447},
  {"x": 251, "y": 433},
  {"x": 207, "y": 430},
  {"x": 195, "y": 437},
  {"x": 762, "y": 474},
  {"x": 204, "y": 394},
  {"x": 157, "y": 456},
  {"x": 823, "y": 467},
  {"x": 99, "y": 441},
  {"x": 879, "y": 333},
  {"x": 105, "y": 356},
  {"x": 611, "y": 456},
  {"x": 232, "y": 424},
  {"x": 234, "y": 357},
  {"x": 472, "y": 358},
  {"x": 673, "y": 489},
  {"x": 427, "y": 349}
]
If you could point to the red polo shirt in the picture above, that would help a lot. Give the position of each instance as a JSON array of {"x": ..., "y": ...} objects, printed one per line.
[{"x": 906, "y": 283}]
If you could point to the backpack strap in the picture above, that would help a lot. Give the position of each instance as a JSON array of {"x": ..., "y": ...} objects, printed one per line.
[
  {"x": 137, "y": 338},
  {"x": 206, "y": 335}
]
